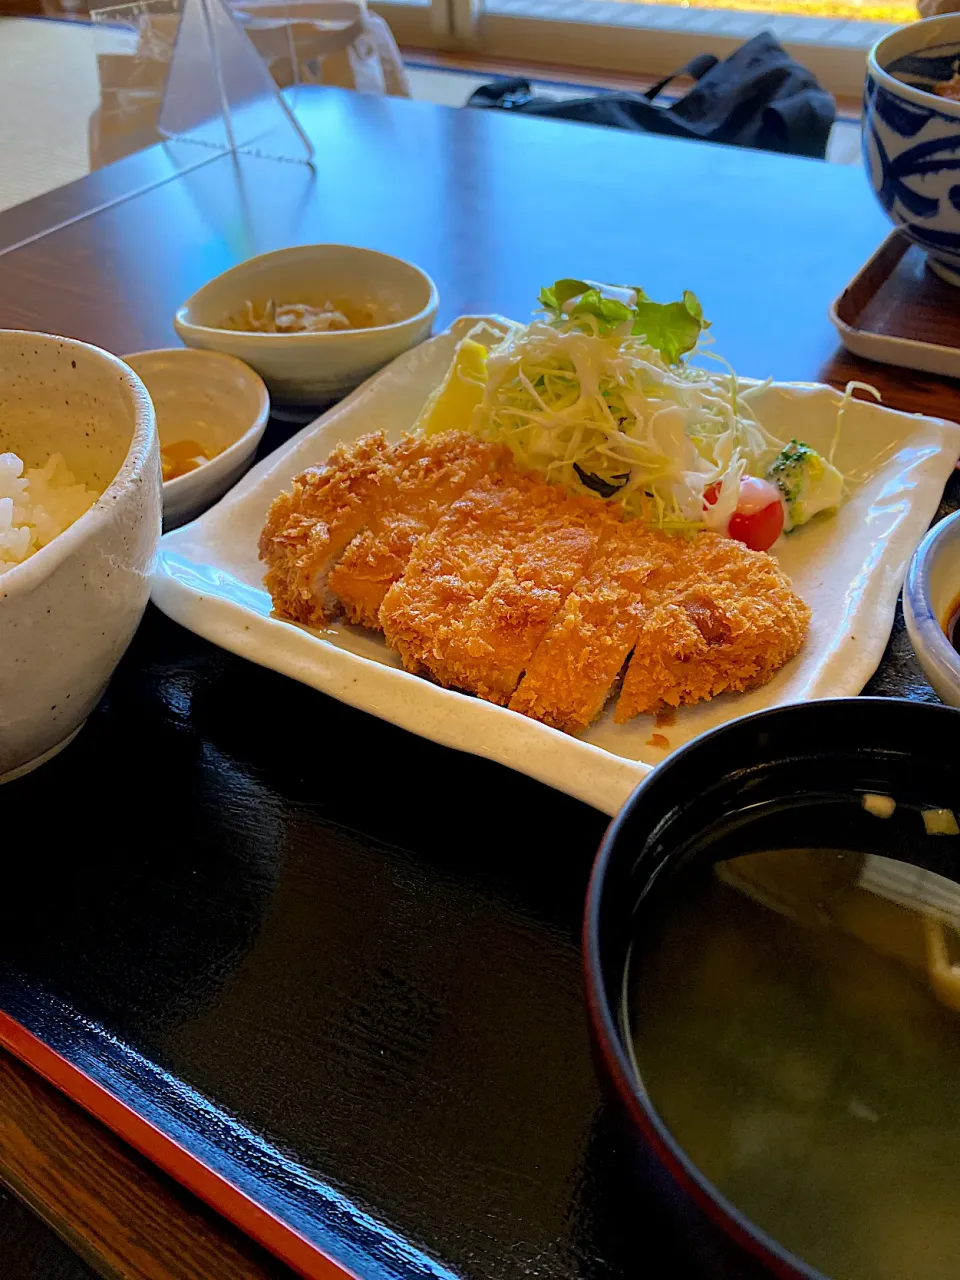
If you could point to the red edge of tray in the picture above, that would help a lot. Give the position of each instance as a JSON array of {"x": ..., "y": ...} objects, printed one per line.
[{"x": 264, "y": 1227}]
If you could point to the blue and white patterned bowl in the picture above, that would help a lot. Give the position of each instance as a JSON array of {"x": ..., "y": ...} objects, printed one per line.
[
  {"x": 929, "y": 595},
  {"x": 911, "y": 137}
]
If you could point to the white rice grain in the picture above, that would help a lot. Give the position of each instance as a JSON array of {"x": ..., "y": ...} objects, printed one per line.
[{"x": 36, "y": 505}]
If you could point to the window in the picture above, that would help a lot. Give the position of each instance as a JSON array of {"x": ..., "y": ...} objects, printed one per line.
[{"x": 831, "y": 37}]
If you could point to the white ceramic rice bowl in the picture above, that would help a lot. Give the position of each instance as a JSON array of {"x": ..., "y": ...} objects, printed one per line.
[{"x": 68, "y": 612}]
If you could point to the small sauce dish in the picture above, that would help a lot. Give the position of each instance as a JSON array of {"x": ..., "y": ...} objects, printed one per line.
[
  {"x": 930, "y": 595},
  {"x": 210, "y": 400}
]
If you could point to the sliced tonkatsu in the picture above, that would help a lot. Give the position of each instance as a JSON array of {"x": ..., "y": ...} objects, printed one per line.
[
  {"x": 344, "y": 532},
  {"x": 575, "y": 667},
  {"x": 492, "y": 581},
  {"x": 308, "y": 528},
  {"x": 429, "y": 475},
  {"x": 482, "y": 589},
  {"x": 722, "y": 618}
]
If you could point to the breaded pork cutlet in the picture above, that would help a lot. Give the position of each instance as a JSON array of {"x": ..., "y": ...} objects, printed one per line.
[
  {"x": 574, "y": 669},
  {"x": 366, "y": 505},
  {"x": 723, "y": 618},
  {"x": 494, "y": 582},
  {"x": 308, "y": 527},
  {"x": 481, "y": 590},
  {"x": 430, "y": 475}
]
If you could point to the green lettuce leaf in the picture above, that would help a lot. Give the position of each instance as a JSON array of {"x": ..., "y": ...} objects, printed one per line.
[
  {"x": 552, "y": 299},
  {"x": 672, "y": 328}
]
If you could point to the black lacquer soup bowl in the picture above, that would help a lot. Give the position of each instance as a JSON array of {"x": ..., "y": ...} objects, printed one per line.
[{"x": 772, "y": 953}]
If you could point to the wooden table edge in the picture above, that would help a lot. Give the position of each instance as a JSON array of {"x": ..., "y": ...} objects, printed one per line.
[{"x": 182, "y": 1165}]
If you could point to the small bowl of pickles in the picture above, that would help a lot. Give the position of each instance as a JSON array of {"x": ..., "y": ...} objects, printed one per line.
[
  {"x": 212, "y": 411},
  {"x": 314, "y": 320},
  {"x": 931, "y": 607}
]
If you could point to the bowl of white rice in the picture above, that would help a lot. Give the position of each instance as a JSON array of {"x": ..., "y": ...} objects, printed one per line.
[{"x": 79, "y": 523}]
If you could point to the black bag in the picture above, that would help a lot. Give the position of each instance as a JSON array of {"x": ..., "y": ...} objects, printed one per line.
[{"x": 758, "y": 98}]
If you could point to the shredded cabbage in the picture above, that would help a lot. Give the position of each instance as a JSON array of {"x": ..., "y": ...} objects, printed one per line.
[
  {"x": 601, "y": 396},
  {"x": 605, "y": 414}
]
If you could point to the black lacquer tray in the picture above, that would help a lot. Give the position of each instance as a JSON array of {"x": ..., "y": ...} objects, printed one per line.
[{"x": 326, "y": 973}]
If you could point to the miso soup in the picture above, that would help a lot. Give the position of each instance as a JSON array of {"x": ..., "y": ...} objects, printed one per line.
[{"x": 795, "y": 1020}]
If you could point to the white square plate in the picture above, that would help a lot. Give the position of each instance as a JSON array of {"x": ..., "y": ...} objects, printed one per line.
[{"x": 848, "y": 568}]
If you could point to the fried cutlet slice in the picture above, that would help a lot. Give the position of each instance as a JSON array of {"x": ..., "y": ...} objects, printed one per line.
[
  {"x": 570, "y": 676},
  {"x": 308, "y": 527},
  {"x": 431, "y": 474},
  {"x": 723, "y": 618},
  {"x": 450, "y": 568},
  {"x": 481, "y": 590}
]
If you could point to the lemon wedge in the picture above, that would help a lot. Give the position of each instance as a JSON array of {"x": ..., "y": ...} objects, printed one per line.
[{"x": 451, "y": 406}]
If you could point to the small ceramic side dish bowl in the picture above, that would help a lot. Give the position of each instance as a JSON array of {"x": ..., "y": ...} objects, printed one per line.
[
  {"x": 911, "y": 136},
  {"x": 930, "y": 595},
  {"x": 314, "y": 367},
  {"x": 211, "y": 400},
  {"x": 69, "y": 610}
]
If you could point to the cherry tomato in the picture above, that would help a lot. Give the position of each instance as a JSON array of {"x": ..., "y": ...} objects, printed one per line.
[
  {"x": 712, "y": 492},
  {"x": 758, "y": 519}
]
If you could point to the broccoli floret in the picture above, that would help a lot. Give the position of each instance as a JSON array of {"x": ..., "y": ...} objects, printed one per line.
[
  {"x": 788, "y": 469},
  {"x": 808, "y": 482}
]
